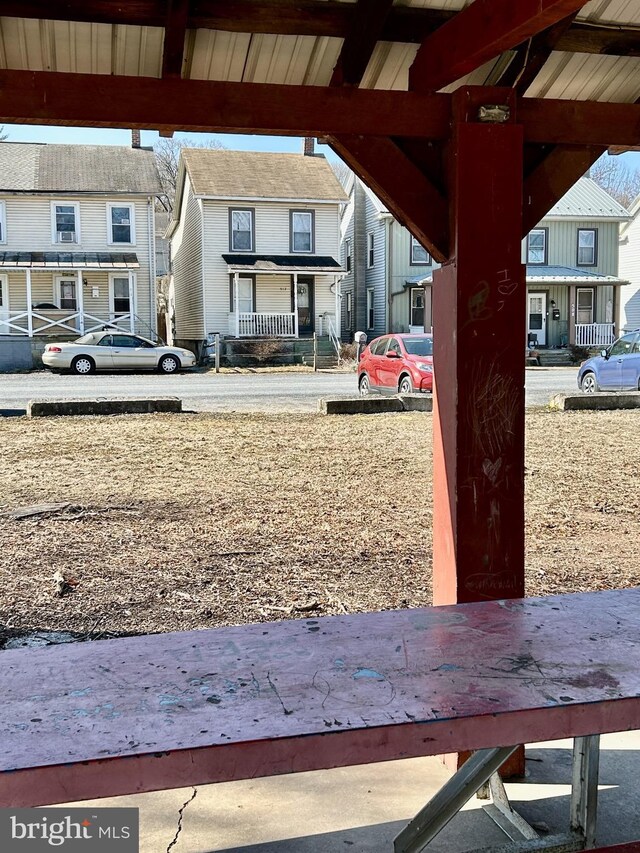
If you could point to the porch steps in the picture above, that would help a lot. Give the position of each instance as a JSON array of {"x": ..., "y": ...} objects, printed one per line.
[
  {"x": 326, "y": 354},
  {"x": 555, "y": 358}
]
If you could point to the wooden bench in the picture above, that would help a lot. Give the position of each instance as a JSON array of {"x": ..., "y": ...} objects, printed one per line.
[{"x": 123, "y": 716}]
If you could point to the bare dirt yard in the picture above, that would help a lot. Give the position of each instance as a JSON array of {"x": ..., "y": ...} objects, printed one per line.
[{"x": 180, "y": 522}]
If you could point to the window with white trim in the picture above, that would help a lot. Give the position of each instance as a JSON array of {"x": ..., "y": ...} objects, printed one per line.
[
  {"x": 121, "y": 223},
  {"x": 537, "y": 246},
  {"x": 301, "y": 230},
  {"x": 119, "y": 295},
  {"x": 242, "y": 230},
  {"x": 349, "y": 310},
  {"x": 66, "y": 222},
  {"x": 347, "y": 246},
  {"x": 3, "y": 221},
  {"x": 66, "y": 292},
  {"x": 370, "y": 308},
  {"x": 419, "y": 254},
  {"x": 371, "y": 250},
  {"x": 4, "y": 295},
  {"x": 587, "y": 247},
  {"x": 416, "y": 317}
]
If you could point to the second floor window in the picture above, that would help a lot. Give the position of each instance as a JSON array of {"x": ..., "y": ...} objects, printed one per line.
[
  {"x": 121, "y": 223},
  {"x": 419, "y": 254},
  {"x": 371, "y": 252},
  {"x": 537, "y": 246},
  {"x": 302, "y": 231},
  {"x": 587, "y": 247},
  {"x": 65, "y": 225},
  {"x": 242, "y": 237}
]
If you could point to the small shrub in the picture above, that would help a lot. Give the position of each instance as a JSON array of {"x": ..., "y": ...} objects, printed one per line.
[
  {"x": 579, "y": 354},
  {"x": 261, "y": 351},
  {"x": 348, "y": 352}
]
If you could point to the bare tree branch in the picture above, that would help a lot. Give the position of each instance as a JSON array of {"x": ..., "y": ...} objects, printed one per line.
[
  {"x": 617, "y": 179},
  {"x": 167, "y": 151}
]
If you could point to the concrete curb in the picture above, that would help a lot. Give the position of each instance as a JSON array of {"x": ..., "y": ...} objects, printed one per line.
[
  {"x": 103, "y": 406},
  {"x": 373, "y": 405},
  {"x": 595, "y": 402}
]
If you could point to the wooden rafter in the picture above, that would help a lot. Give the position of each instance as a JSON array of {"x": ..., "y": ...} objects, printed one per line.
[
  {"x": 102, "y": 100},
  {"x": 174, "y": 34},
  {"x": 367, "y": 24},
  {"x": 531, "y": 56},
  {"x": 408, "y": 24},
  {"x": 552, "y": 178},
  {"x": 402, "y": 186},
  {"x": 479, "y": 33}
]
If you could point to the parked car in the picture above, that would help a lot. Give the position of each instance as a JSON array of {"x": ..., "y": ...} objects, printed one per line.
[
  {"x": 397, "y": 364},
  {"x": 615, "y": 369},
  {"x": 109, "y": 350}
]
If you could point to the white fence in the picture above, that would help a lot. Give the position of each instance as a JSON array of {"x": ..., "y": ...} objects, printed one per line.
[
  {"x": 246, "y": 325},
  {"x": 594, "y": 334},
  {"x": 59, "y": 322}
]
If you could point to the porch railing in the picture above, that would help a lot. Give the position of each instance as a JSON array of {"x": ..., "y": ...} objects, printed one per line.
[
  {"x": 594, "y": 334},
  {"x": 33, "y": 323},
  {"x": 246, "y": 325}
]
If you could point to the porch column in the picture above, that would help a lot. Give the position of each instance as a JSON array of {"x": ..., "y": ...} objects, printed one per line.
[
  {"x": 236, "y": 279},
  {"x": 479, "y": 329},
  {"x": 29, "y": 302},
  {"x": 617, "y": 313},
  {"x": 80, "y": 301},
  {"x": 571, "y": 331},
  {"x": 295, "y": 303},
  {"x": 337, "y": 325},
  {"x": 132, "y": 305}
]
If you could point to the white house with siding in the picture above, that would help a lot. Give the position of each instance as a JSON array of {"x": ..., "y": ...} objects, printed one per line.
[
  {"x": 630, "y": 268},
  {"x": 575, "y": 291},
  {"x": 254, "y": 245},
  {"x": 77, "y": 240}
]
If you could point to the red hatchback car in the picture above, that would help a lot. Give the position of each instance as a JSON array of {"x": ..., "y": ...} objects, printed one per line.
[{"x": 397, "y": 364}]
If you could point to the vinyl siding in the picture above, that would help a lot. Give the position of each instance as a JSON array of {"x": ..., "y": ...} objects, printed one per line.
[
  {"x": 28, "y": 221},
  {"x": 401, "y": 270},
  {"x": 563, "y": 244},
  {"x": 376, "y": 276},
  {"x": 347, "y": 286},
  {"x": 273, "y": 292},
  {"x": 186, "y": 265},
  {"x": 630, "y": 270}
]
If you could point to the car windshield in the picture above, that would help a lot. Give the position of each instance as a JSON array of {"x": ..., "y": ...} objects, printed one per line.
[{"x": 418, "y": 346}]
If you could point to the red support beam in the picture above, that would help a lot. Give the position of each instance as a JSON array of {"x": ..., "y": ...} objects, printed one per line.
[
  {"x": 174, "y": 34},
  {"x": 479, "y": 323},
  {"x": 401, "y": 185},
  {"x": 366, "y": 29},
  {"x": 479, "y": 33}
]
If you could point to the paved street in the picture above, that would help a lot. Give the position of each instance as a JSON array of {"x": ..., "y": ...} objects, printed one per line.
[{"x": 206, "y": 392}]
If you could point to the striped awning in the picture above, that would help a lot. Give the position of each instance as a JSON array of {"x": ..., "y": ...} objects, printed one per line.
[{"x": 69, "y": 260}]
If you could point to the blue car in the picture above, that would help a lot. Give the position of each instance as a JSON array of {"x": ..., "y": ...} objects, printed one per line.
[{"x": 615, "y": 369}]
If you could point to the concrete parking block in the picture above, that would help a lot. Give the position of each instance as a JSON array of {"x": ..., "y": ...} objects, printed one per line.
[
  {"x": 103, "y": 406},
  {"x": 417, "y": 402},
  {"x": 595, "y": 402},
  {"x": 359, "y": 405}
]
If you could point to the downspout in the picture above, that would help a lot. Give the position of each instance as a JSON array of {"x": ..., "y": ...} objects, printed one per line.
[
  {"x": 389, "y": 289},
  {"x": 151, "y": 231}
]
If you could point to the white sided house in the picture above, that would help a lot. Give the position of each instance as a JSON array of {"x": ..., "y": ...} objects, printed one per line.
[
  {"x": 76, "y": 243},
  {"x": 254, "y": 245},
  {"x": 630, "y": 268}
]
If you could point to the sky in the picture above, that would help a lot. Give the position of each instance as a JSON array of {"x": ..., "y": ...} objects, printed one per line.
[
  {"x": 237, "y": 142},
  {"x": 100, "y": 136}
]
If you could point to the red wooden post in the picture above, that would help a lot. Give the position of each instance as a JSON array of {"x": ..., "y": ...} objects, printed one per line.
[{"x": 479, "y": 341}]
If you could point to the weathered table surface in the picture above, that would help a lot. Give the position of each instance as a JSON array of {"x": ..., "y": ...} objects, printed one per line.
[{"x": 232, "y": 703}]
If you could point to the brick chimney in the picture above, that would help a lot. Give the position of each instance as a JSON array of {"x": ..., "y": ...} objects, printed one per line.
[
  {"x": 309, "y": 146},
  {"x": 135, "y": 139}
]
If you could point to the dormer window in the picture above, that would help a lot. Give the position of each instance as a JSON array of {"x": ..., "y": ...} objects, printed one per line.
[
  {"x": 302, "y": 231},
  {"x": 66, "y": 223},
  {"x": 121, "y": 223},
  {"x": 242, "y": 230}
]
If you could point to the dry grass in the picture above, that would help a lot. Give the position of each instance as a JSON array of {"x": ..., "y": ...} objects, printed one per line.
[{"x": 199, "y": 521}]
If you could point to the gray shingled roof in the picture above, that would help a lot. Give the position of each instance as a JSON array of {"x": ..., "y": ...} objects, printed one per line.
[
  {"x": 258, "y": 174},
  {"x": 32, "y": 167}
]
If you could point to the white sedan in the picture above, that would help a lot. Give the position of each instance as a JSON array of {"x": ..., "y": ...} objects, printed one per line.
[{"x": 109, "y": 350}]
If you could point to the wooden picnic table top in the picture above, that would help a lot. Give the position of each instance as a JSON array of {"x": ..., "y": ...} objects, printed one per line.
[{"x": 253, "y": 700}]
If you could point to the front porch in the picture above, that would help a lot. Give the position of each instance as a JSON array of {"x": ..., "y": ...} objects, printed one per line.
[{"x": 67, "y": 294}]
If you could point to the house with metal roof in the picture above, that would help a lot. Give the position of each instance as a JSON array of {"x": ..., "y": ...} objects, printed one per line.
[
  {"x": 630, "y": 268},
  {"x": 77, "y": 248},
  {"x": 255, "y": 246},
  {"x": 574, "y": 291}
]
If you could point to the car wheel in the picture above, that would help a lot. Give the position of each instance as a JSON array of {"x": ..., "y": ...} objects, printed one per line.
[
  {"x": 364, "y": 386},
  {"x": 589, "y": 383},
  {"x": 83, "y": 365},
  {"x": 406, "y": 385},
  {"x": 169, "y": 364}
]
